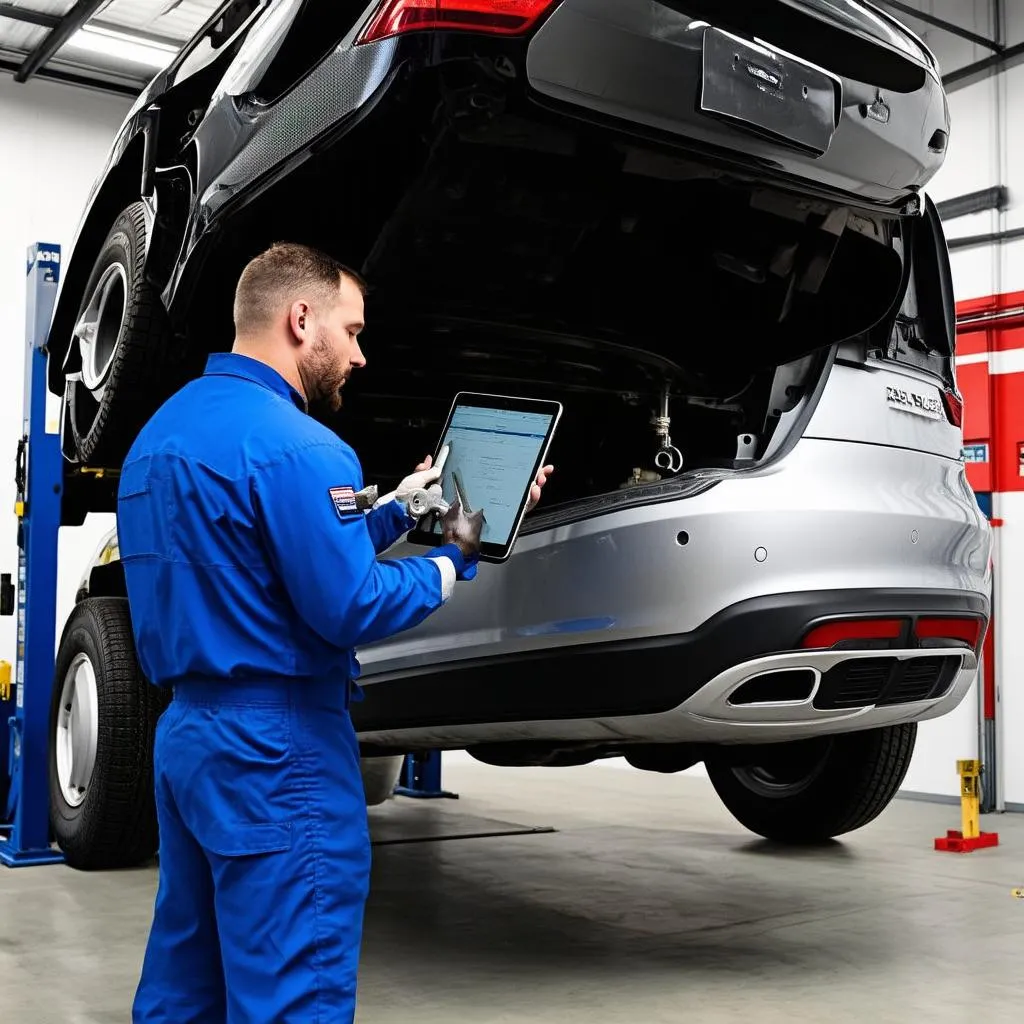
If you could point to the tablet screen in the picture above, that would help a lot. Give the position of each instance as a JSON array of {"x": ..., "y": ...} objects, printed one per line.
[{"x": 492, "y": 455}]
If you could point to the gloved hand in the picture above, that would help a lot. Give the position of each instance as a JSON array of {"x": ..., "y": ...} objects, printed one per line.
[
  {"x": 464, "y": 532},
  {"x": 423, "y": 477}
]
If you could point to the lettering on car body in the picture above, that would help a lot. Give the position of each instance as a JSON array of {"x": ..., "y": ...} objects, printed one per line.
[{"x": 911, "y": 401}]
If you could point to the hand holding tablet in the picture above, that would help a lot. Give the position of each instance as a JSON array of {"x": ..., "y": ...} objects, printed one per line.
[{"x": 492, "y": 453}]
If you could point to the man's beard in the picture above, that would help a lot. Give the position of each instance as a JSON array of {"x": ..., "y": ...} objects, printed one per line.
[{"x": 322, "y": 380}]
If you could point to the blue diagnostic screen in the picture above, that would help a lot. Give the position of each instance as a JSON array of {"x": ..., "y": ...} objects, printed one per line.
[{"x": 490, "y": 464}]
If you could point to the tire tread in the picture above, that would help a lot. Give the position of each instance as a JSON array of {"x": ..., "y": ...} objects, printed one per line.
[
  {"x": 862, "y": 775},
  {"x": 116, "y": 825},
  {"x": 147, "y": 365}
]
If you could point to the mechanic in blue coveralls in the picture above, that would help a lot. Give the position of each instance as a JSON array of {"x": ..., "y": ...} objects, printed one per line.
[{"x": 252, "y": 575}]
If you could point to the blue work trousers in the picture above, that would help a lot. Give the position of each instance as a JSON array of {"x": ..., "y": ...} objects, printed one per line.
[{"x": 264, "y": 857}]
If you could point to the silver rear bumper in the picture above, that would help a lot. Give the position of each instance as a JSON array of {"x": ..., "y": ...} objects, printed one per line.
[
  {"x": 830, "y": 516},
  {"x": 709, "y": 717}
]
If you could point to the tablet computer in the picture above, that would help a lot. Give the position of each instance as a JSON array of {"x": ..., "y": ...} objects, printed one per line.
[{"x": 492, "y": 446}]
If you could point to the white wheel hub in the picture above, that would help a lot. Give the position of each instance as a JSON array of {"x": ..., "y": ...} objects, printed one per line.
[
  {"x": 99, "y": 328},
  {"x": 77, "y": 730}
]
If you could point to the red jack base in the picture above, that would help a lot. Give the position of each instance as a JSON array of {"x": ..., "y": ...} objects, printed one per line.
[{"x": 954, "y": 842}]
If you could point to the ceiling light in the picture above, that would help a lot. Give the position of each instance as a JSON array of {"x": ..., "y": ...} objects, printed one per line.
[{"x": 123, "y": 45}]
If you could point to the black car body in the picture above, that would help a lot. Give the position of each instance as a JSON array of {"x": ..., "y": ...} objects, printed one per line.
[{"x": 489, "y": 166}]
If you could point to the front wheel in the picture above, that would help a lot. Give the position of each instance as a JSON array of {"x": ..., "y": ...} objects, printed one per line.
[{"x": 810, "y": 791}]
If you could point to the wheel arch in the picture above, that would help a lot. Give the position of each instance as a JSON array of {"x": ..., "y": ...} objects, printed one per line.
[
  {"x": 104, "y": 574},
  {"x": 107, "y": 581},
  {"x": 125, "y": 182}
]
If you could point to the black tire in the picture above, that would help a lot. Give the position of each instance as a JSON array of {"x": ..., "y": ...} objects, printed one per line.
[
  {"x": 814, "y": 790},
  {"x": 113, "y": 825},
  {"x": 114, "y": 399}
]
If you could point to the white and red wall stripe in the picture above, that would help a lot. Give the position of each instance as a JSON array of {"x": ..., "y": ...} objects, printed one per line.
[{"x": 990, "y": 375}]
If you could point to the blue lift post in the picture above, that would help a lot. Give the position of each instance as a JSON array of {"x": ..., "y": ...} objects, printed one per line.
[
  {"x": 24, "y": 721},
  {"x": 421, "y": 777}
]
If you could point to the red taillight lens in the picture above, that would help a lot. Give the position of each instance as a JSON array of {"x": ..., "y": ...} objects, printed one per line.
[
  {"x": 831, "y": 633},
  {"x": 967, "y": 631},
  {"x": 498, "y": 17},
  {"x": 954, "y": 404}
]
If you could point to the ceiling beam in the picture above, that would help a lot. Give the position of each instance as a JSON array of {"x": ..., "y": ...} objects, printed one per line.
[
  {"x": 57, "y": 37},
  {"x": 29, "y": 17},
  {"x": 995, "y": 198},
  {"x": 995, "y": 238},
  {"x": 971, "y": 73},
  {"x": 946, "y": 26},
  {"x": 70, "y": 78}
]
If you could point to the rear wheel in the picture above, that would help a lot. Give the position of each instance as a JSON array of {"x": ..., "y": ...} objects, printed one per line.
[
  {"x": 813, "y": 790},
  {"x": 103, "y": 717},
  {"x": 128, "y": 359}
]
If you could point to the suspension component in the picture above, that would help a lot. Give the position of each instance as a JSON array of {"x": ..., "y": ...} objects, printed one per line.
[{"x": 668, "y": 456}]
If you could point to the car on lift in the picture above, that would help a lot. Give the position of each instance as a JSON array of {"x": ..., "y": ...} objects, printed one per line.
[{"x": 704, "y": 228}]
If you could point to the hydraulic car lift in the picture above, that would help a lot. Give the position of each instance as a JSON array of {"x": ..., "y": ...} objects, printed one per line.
[
  {"x": 421, "y": 778},
  {"x": 24, "y": 713}
]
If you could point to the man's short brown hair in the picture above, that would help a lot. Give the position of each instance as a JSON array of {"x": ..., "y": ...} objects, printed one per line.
[{"x": 280, "y": 275}]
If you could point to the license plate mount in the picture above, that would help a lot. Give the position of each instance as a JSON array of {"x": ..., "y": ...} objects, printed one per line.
[{"x": 769, "y": 92}]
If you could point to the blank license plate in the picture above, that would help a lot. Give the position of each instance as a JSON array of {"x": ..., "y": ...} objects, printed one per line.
[{"x": 769, "y": 92}]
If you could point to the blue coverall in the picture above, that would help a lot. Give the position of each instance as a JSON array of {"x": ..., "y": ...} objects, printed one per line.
[{"x": 251, "y": 576}]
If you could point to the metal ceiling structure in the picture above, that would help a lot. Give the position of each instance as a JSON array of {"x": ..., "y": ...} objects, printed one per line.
[{"x": 115, "y": 45}]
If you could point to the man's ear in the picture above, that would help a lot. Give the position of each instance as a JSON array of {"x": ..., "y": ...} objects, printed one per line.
[{"x": 298, "y": 320}]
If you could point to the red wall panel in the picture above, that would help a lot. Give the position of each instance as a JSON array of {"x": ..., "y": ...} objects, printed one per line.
[
  {"x": 993, "y": 387},
  {"x": 1008, "y": 397}
]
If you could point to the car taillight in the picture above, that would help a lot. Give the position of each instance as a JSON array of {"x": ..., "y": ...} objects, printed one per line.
[
  {"x": 954, "y": 404},
  {"x": 498, "y": 17},
  {"x": 831, "y": 633},
  {"x": 967, "y": 631}
]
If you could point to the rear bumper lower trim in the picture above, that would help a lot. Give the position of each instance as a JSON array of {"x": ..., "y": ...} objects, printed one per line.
[{"x": 653, "y": 676}]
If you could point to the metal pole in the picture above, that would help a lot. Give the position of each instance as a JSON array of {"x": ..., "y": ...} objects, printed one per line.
[{"x": 26, "y": 840}]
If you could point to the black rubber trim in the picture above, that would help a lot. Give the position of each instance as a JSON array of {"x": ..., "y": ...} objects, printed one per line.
[{"x": 633, "y": 677}]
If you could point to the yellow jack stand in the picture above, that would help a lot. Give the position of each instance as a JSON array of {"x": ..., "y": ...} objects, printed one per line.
[{"x": 970, "y": 837}]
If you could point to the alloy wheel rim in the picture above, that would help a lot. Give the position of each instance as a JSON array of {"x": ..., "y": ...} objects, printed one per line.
[
  {"x": 787, "y": 778},
  {"x": 99, "y": 328},
  {"x": 77, "y": 730}
]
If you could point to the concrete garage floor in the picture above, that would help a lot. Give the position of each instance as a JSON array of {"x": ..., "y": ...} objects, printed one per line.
[{"x": 648, "y": 905}]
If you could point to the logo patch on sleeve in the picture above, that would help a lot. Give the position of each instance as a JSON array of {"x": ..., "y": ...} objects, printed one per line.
[{"x": 344, "y": 499}]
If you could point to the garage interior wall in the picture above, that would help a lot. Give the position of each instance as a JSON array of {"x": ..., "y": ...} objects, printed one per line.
[
  {"x": 985, "y": 150},
  {"x": 53, "y": 142}
]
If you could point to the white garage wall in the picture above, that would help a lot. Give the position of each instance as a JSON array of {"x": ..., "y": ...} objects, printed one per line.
[
  {"x": 1011, "y": 263},
  {"x": 53, "y": 141},
  {"x": 1009, "y": 277},
  {"x": 972, "y": 164},
  {"x": 986, "y": 149}
]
